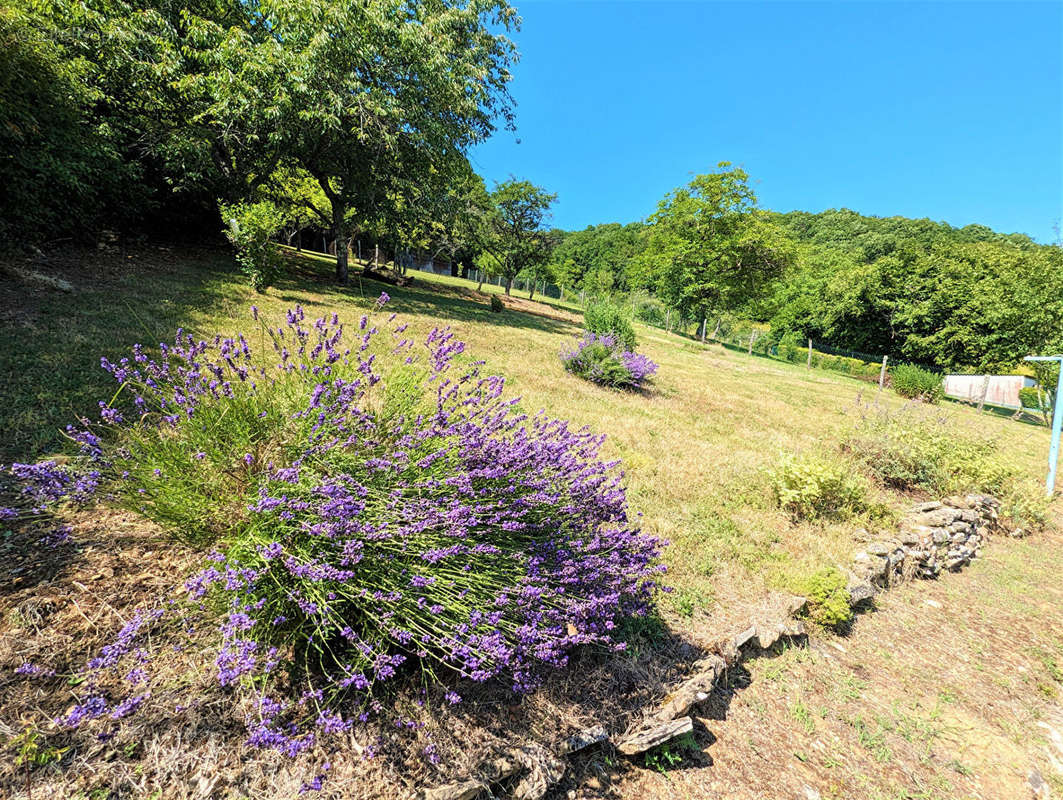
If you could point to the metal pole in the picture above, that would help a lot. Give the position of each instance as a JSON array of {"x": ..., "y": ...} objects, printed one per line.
[{"x": 1057, "y": 424}]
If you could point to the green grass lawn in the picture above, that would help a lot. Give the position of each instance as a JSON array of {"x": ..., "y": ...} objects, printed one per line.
[{"x": 697, "y": 447}]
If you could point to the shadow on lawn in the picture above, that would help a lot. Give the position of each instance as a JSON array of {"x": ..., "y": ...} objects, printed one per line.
[
  {"x": 51, "y": 341},
  {"x": 452, "y": 303},
  {"x": 31, "y": 555},
  {"x": 604, "y": 771}
]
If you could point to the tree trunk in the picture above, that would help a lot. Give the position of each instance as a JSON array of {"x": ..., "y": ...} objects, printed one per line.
[
  {"x": 338, "y": 213},
  {"x": 509, "y": 285},
  {"x": 480, "y": 285},
  {"x": 531, "y": 294}
]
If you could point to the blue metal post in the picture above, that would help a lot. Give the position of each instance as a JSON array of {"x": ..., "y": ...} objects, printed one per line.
[{"x": 1057, "y": 423}]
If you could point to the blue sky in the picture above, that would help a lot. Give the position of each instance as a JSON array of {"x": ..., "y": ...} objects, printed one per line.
[{"x": 947, "y": 110}]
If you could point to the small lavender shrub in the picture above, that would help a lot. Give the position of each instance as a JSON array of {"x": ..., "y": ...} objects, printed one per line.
[
  {"x": 605, "y": 360},
  {"x": 368, "y": 509}
]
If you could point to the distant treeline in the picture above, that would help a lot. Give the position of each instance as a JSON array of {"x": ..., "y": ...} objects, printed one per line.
[{"x": 959, "y": 298}]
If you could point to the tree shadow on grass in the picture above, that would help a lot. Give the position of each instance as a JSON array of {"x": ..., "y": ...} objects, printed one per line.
[
  {"x": 32, "y": 554},
  {"x": 51, "y": 341},
  {"x": 452, "y": 303},
  {"x": 603, "y": 770}
]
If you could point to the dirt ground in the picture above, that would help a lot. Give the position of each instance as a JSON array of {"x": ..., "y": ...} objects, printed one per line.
[{"x": 946, "y": 689}]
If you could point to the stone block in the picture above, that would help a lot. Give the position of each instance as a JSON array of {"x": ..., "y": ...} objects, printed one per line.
[
  {"x": 583, "y": 739},
  {"x": 649, "y": 738},
  {"x": 941, "y": 517},
  {"x": 932, "y": 505},
  {"x": 861, "y": 592}
]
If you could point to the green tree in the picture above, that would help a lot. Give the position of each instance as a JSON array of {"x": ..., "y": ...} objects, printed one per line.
[
  {"x": 513, "y": 231},
  {"x": 711, "y": 249},
  {"x": 374, "y": 99}
]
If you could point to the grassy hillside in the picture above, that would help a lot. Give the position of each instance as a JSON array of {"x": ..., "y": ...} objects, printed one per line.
[{"x": 698, "y": 447}]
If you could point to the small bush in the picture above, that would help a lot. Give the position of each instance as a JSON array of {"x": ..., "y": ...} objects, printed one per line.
[
  {"x": 916, "y": 383},
  {"x": 915, "y": 449},
  {"x": 605, "y": 318},
  {"x": 651, "y": 311},
  {"x": 250, "y": 228},
  {"x": 496, "y": 304},
  {"x": 811, "y": 487},
  {"x": 1036, "y": 399},
  {"x": 828, "y": 599},
  {"x": 1032, "y": 398},
  {"x": 604, "y": 360}
]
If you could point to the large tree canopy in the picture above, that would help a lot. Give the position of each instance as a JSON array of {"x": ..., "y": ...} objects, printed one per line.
[
  {"x": 711, "y": 249},
  {"x": 376, "y": 100},
  {"x": 114, "y": 110}
]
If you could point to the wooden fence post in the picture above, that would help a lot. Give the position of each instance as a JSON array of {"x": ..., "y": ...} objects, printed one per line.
[
  {"x": 668, "y": 320},
  {"x": 752, "y": 336},
  {"x": 985, "y": 391},
  {"x": 810, "y": 354},
  {"x": 882, "y": 373}
]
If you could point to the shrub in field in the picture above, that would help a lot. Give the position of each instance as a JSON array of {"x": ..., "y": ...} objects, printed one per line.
[
  {"x": 811, "y": 487},
  {"x": 1035, "y": 399},
  {"x": 1031, "y": 397},
  {"x": 916, "y": 449},
  {"x": 916, "y": 383},
  {"x": 608, "y": 319},
  {"x": 603, "y": 359},
  {"x": 250, "y": 228},
  {"x": 496, "y": 304},
  {"x": 368, "y": 507},
  {"x": 828, "y": 599},
  {"x": 652, "y": 311}
]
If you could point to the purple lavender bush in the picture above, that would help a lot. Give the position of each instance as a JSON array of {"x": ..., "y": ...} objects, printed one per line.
[
  {"x": 605, "y": 360},
  {"x": 369, "y": 508}
]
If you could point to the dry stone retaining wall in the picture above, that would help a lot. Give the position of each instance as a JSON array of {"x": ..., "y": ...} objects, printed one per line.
[{"x": 938, "y": 536}]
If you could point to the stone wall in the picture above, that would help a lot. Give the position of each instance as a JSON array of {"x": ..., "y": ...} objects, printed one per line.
[{"x": 933, "y": 537}]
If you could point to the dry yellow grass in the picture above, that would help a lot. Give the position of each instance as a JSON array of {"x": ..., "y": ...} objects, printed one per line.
[{"x": 697, "y": 446}]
